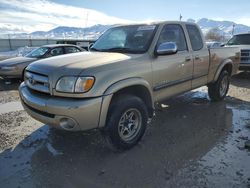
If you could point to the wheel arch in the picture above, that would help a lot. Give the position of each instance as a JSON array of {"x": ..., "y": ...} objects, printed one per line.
[
  {"x": 134, "y": 86},
  {"x": 225, "y": 65}
]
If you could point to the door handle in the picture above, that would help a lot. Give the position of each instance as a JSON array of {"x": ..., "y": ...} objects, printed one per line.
[
  {"x": 197, "y": 57},
  {"x": 188, "y": 58}
]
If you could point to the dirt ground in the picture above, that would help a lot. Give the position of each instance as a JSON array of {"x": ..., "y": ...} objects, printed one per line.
[{"x": 191, "y": 142}]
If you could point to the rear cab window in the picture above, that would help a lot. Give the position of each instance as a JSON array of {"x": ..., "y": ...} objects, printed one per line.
[{"x": 195, "y": 37}]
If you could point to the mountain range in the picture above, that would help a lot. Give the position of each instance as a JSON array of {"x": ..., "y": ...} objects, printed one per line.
[{"x": 226, "y": 28}]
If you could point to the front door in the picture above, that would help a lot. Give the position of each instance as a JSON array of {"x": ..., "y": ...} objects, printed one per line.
[{"x": 172, "y": 74}]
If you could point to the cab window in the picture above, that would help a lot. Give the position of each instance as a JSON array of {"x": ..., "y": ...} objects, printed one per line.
[{"x": 173, "y": 33}]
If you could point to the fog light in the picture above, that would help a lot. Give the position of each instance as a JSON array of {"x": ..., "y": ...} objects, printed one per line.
[{"x": 67, "y": 123}]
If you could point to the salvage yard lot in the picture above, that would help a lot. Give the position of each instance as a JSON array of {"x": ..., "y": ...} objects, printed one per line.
[{"x": 191, "y": 142}]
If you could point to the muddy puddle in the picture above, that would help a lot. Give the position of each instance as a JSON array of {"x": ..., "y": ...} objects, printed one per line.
[{"x": 186, "y": 144}]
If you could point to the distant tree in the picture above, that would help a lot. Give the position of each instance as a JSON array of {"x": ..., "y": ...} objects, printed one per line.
[{"x": 214, "y": 35}]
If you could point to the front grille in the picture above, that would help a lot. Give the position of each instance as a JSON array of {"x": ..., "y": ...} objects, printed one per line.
[
  {"x": 37, "y": 82},
  {"x": 245, "y": 56}
]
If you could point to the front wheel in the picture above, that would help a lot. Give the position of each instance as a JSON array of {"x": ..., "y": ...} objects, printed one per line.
[
  {"x": 217, "y": 91},
  {"x": 126, "y": 123}
]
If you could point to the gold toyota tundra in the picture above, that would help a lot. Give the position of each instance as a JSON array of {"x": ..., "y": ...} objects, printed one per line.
[{"x": 115, "y": 86}]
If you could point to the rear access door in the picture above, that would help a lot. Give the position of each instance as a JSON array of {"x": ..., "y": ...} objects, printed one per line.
[{"x": 200, "y": 56}]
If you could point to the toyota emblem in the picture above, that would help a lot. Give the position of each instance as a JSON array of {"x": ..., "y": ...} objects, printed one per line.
[{"x": 31, "y": 80}]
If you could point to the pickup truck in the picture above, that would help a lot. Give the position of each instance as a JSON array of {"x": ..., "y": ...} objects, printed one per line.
[
  {"x": 115, "y": 86},
  {"x": 242, "y": 41}
]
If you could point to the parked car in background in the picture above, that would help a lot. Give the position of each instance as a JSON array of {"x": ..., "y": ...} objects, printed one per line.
[
  {"x": 128, "y": 70},
  {"x": 214, "y": 44},
  {"x": 243, "y": 42},
  {"x": 14, "y": 67},
  {"x": 22, "y": 51}
]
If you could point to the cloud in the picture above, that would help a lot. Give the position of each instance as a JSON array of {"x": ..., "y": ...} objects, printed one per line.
[{"x": 43, "y": 15}]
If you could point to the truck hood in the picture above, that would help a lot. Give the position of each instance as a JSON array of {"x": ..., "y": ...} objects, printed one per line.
[
  {"x": 16, "y": 61},
  {"x": 74, "y": 64},
  {"x": 242, "y": 47}
]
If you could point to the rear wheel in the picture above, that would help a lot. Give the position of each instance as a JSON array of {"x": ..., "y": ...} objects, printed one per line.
[
  {"x": 217, "y": 91},
  {"x": 126, "y": 122}
]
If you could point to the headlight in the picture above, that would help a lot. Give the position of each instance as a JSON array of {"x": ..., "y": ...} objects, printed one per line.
[
  {"x": 71, "y": 84},
  {"x": 8, "y": 68}
]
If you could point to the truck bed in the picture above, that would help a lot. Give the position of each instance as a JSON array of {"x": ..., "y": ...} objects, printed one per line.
[{"x": 220, "y": 55}]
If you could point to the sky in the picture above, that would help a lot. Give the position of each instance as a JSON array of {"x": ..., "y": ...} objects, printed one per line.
[{"x": 43, "y": 15}]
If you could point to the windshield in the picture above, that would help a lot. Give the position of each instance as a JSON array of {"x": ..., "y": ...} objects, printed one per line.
[
  {"x": 239, "y": 40},
  {"x": 38, "y": 52},
  {"x": 127, "y": 39}
]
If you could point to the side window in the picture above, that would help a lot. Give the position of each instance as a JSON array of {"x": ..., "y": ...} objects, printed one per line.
[
  {"x": 195, "y": 37},
  {"x": 56, "y": 51},
  {"x": 173, "y": 33},
  {"x": 71, "y": 49}
]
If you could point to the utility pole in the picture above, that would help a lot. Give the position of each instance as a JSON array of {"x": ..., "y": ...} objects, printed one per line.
[
  {"x": 233, "y": 29},
  {"x": 180, "y": 17},
  {"x": 86, "y": 24},
  {"x": 10, "y": 46}
]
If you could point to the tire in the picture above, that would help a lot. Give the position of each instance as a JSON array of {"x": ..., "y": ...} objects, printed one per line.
[
  {"x": 126, "y": 122},
  {"x": 217, "y": 91}
]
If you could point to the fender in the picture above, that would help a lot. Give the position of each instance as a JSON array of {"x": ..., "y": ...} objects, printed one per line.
[
  {"x": 221, "y": 66},
  {"x": 108, "y": 94},
  {"x": 127, "y": 83}
]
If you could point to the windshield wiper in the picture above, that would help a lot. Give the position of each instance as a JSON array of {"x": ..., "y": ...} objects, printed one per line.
[
  {"x": 97, "y": 50},
  {"x": 118, "y": 49}
]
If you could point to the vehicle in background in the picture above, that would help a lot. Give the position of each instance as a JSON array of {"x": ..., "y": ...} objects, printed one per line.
[
  {"x": 82, "y": 43},
  {"x": 214, "y": 44},
  {"x": 128, "y": 70},
  {"x": 14, "y": 67},
  {"x": 243, "y": 42},
  {"x": 22, "y": 51}
]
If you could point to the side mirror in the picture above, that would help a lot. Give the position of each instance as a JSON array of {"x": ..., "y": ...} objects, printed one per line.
[
  {"x": 222, "y": 45},
  {"x": 166, "y": 48}
]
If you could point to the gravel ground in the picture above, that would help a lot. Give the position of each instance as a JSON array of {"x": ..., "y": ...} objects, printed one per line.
[
  {"x": 8, "y": 92},
  {"x": 191, "y": 142}
]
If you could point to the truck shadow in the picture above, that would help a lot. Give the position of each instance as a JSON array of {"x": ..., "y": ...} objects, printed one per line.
[
  {"x": 7, "y": 86},
  {"x": 185, "y": 129}
]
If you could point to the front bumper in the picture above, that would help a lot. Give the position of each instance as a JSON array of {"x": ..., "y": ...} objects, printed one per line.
[
  {"x": 244, "y": 66},
  {"x": 52, "y": 110}
]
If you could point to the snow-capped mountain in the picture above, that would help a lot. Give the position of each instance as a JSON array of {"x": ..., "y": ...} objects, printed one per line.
[
  {"x": 92, "y": 32},
  {"x": 224, "y": 27},
  {"x": 72, "y": 32}
]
